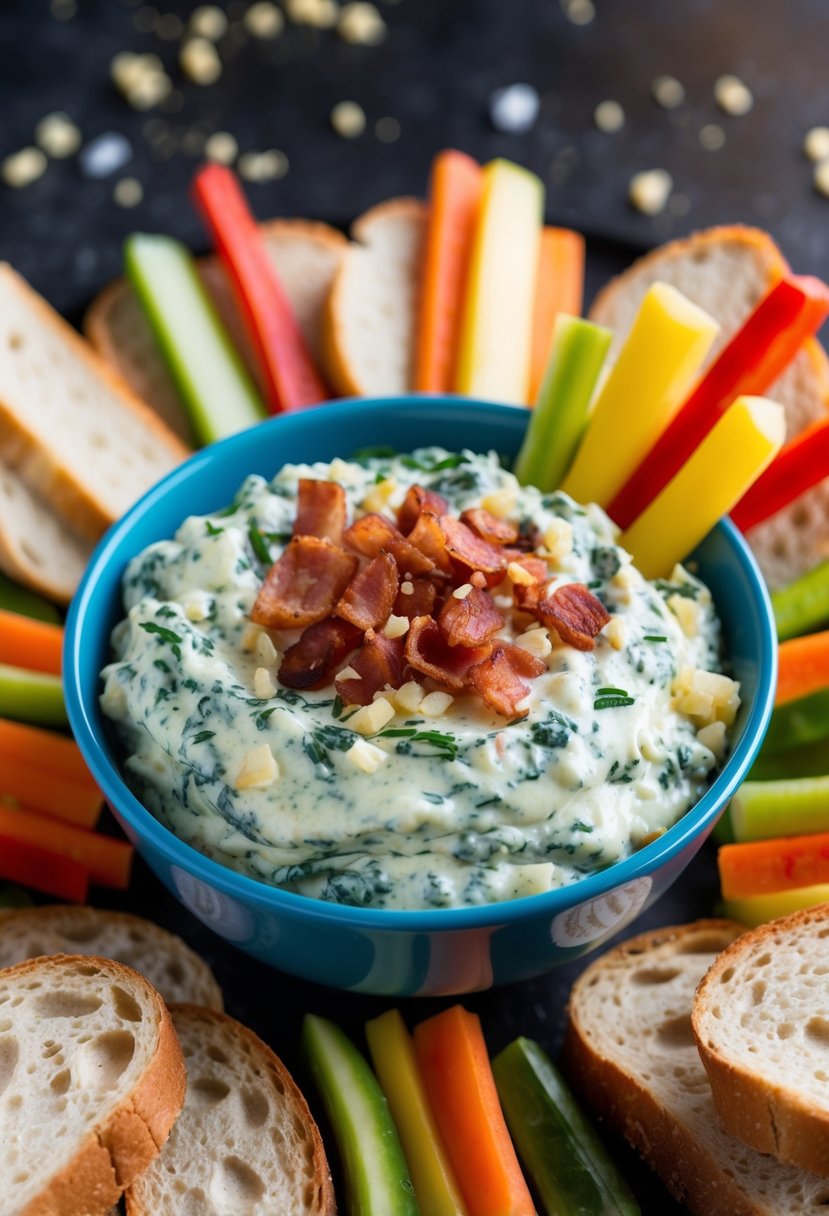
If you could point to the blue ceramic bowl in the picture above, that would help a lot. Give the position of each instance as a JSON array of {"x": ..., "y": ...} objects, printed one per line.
[{"x": 397, "y": 953}]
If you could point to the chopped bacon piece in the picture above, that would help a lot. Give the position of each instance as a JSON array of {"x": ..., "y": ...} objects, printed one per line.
[
  {"x": 528, "y": 596},
  {"x": 374, "y": 534},
  {"x": 419, "y": 601},
  {"x": 319, "y": 653},
  {"x": 536, "y": 566},
  {"x": 417, "y": 502},
  {"x": 379, "y": 662},
  {"x": 428, "y": 652},
  {"x": 320, "y": 510},
  {"x": 369, "y": 597},
  {"x": 575, "y": 614},
  {"x": 427, "y": 536},
  {"x": 304, "y": 584},
  {"x": 470, "y": 552},
  {"x": 489, "y": 527},
  {"x": 498, "y": 679},
  {"x": 471, "y": 621}
]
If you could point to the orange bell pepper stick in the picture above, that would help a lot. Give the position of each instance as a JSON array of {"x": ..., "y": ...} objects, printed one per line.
[
  {"x": 42, "y": 870},
  {"x": 559, "y": 287},
  {"x": 454, "y": 1064},
  {"x": 763, "y": 867},
  {"x": 454, "y": 202},
  {"x": 44, "y": 749},
  {"x": 35, "y": 645},
  {"x": 803, "y": 667},
  {"x": 108, "y": 860}
]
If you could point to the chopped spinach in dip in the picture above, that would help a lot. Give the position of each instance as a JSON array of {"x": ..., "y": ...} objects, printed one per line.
[{"x": 433, "y": 811}]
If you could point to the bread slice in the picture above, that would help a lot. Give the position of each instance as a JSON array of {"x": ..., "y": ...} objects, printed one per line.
[
  {"x": 162, "y": 958},
  {"x": 84, "y": 444},
  {"x": 630, "y": 1051},
  {"x": 726, "y": 271},
  {"x": 37, "y": 548},
  {"x": 91, "y": 1081},
  {"x": 306, "y": 255},
  {"x": 371, "y": 313},
  {"x": 761, "y": 1021},
  {"x": 245, "y": 1141}
]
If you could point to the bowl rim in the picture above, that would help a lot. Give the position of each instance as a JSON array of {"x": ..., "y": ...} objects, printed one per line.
[{"x": 236, "y": 885}]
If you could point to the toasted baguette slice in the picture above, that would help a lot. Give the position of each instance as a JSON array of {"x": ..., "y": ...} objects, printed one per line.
[
  {"x": 726, "y": 271},
  {"x": 371, "y": 312},
  {"x": 306, "y": 256},
  {"x": 91, "y": 1081},
  {"x": 245, "y": 1141},
  {"x": 81, "y": 441},
  {"x": 761, "y": 1021},
  {"x": 631, "y": 1052},
  {"x": 163, "y": 959},
  {"x": 37, "y": 548}
]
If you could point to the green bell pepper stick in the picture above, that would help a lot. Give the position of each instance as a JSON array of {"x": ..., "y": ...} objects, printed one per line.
[
  {"x": 796, "y": 723},
  {"x": 762, "y": 810},
  {"x": 811, "y": 760},
  {"x": 802, "y": 606},
  {"x": 567, "y": 1162},
  {"x": 376, "y": 1174},
  {"x": 557, "y": 423},
  {"x": 218, "y": 393},
  {"x": 31, "y": 696},
  {"x": 14, "y": 598}
]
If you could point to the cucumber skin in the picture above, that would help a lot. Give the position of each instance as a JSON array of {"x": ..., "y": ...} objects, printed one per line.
[
  {"x": 29, "y": 696},
  {"x": 802, "y": 606}
]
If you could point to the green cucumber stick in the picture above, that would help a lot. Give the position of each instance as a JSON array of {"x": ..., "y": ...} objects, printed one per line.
[
  {"x": 14, "y": 598},
  {"x": 811, "y": 760},
  {"x": 796, "y": 723},
  {"x": 31, "y": 696},
  {"x": 218, "y": 393},
  {"x": 761, "y": 810},
  {"x": 802, "y": 606},
  {"x": 566, "y": 1160},
  {"x": 557, "y": 423},
  {"x": 376, "y": 1175}
]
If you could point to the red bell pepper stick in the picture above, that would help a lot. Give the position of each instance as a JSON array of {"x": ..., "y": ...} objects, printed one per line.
[
  {"x": 788, "y": 314},
  {"x": 801, "y": 464},
  {"x": 32, "y": 866},
  {"x": 291, "y": 379}
]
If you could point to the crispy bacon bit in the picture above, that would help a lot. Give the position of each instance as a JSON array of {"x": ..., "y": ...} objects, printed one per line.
[
  {"x": 379, "y": 662},
  {"x": 374, "y": 534},
  {"x": 419, "y": 601},
  {"x": 369, "y": 597},
  {"x": 469, "y": 551},
  {"x": 528, "y": 596},
  {"x": 428, "y": 652},
  {"x": 471, "y": 621},
  {"x": 319, "y": 653},
  {"x": 320, "y": 510},
  {"x": 417, "y": 502},
  {"x": 575, "y": 614},
  {"x": 498, "y": 679},
  {"x": 489, "y": 527},
  {"x": 304, "y": 584},
  {"x": 427, "y": 536}
]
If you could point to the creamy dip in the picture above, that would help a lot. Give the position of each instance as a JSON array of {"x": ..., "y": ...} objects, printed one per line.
[{"x": 456, "y": 809}]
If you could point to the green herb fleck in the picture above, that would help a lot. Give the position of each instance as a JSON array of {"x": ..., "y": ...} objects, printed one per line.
[{"x": 165, "y": 634}]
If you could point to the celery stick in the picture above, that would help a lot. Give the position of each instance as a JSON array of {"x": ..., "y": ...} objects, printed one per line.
[
  {"x": 811, "y": 760},
  {"x": 566, "y": 1160},
  {"x": 218, "y": 393},
  {"x": 799, "y": 722},
  {"x": 557, "y": 423},
  {"x": 31, "y": 696},
  {"x": 802, "y": 606},
  {"x": 14, "y": 598},
  {"x": 761, "y": 810},
  {"x": 758, "y": 909}
]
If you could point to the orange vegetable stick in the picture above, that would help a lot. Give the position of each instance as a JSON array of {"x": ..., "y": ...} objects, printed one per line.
[
  {"x": 454, "y": 1064},
  {"x": 50, "y": 794},
  {"x": 559, "y": 287},
  {"x": 42, "y": 870},
  {"x": 803, "y": 667},
  {"x": 766, "y": 866},
  {"x": 454, "y": 202},
  {"x": 46, "y": 749},
  {"x": 107, "y": 860},
  {"x": 35, "y": 645}
]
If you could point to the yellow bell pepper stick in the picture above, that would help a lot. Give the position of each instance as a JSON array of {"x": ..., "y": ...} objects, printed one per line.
[
  {"x": 731, "y": 457},
  {"x": 496, "y": 329},
  {"x": 756, "y": 910},
  {"x": 393, "y": 1056},
  {"x": 656, "y": 367}
]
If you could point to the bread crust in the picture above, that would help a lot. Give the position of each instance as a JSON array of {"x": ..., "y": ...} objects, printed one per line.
[{"x": 774, "y": 1119}]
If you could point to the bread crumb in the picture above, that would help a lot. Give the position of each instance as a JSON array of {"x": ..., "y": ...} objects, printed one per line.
[
  {"x": 435, "y": 704},
  {"x": 387, "y": 130},
  {"x": 128, "y": 192},
  {"x": 816, "y": 144},
  {"x": 609, "y": 116},
  {"x": 361, "y": 23},
  {"x": 263, "y": 166},
  {"x": 208, "y": 21},
  {"x": 221, "y": 147},
  {"x": 396, "y": 626},
  {"x": 57, "y": 135},
  {"x": 514, "y": 109},
  {"x": 21, "y": 168},
  {"x": 348, "y": 119},
  {"x": 264, "y": 20},
  {"x": 821, "y": 178},
  {"x": 579, "y": 12},
  {"x": 732, "y": 95},
  {"x": 200, "y": 61},
  {"x": 320, "y": 13},
  {"x": 649, "y": 190},
  {"x": 712, "y": 137},
  {"x": 667, "y": 92}
]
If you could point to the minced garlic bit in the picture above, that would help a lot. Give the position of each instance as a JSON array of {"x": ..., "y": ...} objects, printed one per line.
[
  {"x": 409, "y": 696},
  {"x": 264, "y": 20},
  {"x": 821, "y": 178},
  {"x": 500, "y": 503},
  {"x": 349, "y": 673},
  {"x": 128, "y": 192},
  {"x": 221, "y": 147},
  {"x": 732, "y": 95},
  {"x": 520, "y": 575},
  {"x": 378, "y": 497},
  {"x": 706, "y": 696},
  {"x": 361, "y": 23},
  {"x": 712, "y": 137},
  {"x": 649, "y": 190},
  {"x": 263, "y": 685},
  {"x": 535, "y": 642},
  {"x": 320, "y": 13},
  {"x": 250, "y": 637},
  {"x": 208, "y": 21},
  {"x": 396, "y": 626},
  {"x": 816, "y": 144},
  {"x": 266, "y": 652},
  {"x": 609, "y": 116},
  {"x": 369, "y": 719},
  {"x": 460, "y": 593},
  {"x": 614, "y": 631},
  {"x": 435, "y": 704},
  {"x": 366, "y": 756},
  {"x": 259, "y": 768},
  {"x": 57, "y": 135},
  {"x": 558, "y": 539},
  {"x": 687, "y": 612},
  {"x": 407, "y": 587},
  {"x": 667, "y": 92},
  {"x": 22, "y": 168},
  {"x": 263, "y": 166},
  {"x": 712, "y": 736},
  {"x": 348, "y": 119},
  {"x": 200, "y": 61}
]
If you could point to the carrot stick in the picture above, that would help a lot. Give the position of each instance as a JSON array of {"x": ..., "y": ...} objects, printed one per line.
[
  {"x": 107, "y": 860},
  {"x": 50, "y": 794},
  {"x": 454, "y": 202},
  {"x": 803, "y": 667},
  {"x": 32, "y": 866},
  {"x": 35, "y": 645},
  {"x": 559, "y": 287},
  {"x": 46, "y": 749},
  {"x": 453, "y": 1061},
  {"x": 765, "y": 866}
]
